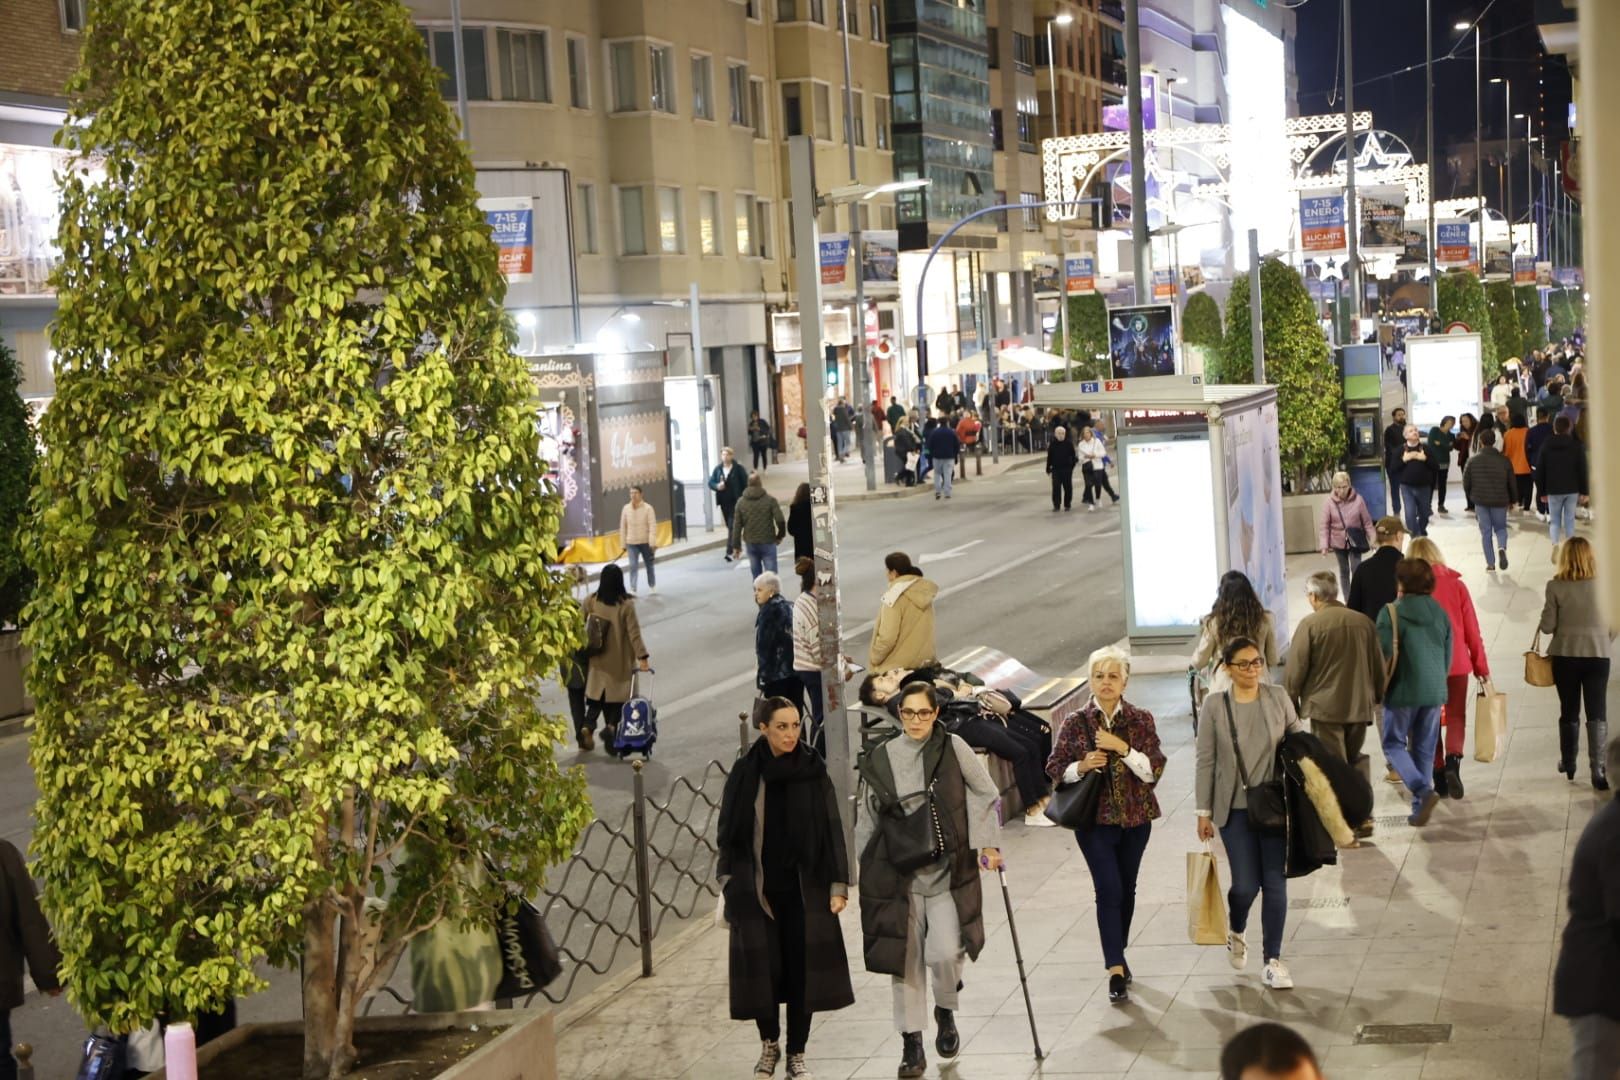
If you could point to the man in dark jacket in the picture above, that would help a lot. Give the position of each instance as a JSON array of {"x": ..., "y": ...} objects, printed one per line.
[
  {"x": 1439, "y": 445},
  {"x": 760, "y": 526},
  {"x": 1534, "y": 440},
  {"x": 1562, "y": 477},
  {"x": 843, "y": 422},
  {"x": 943, "y": 450},
  {"x": 1394, "y": 446},
  {"x": 1060, "y": 462},
  {"x": 728, "y": 483},
  {"x": 1417, "y": 482},
  {"x": 1488, "y": 483},
  {"x": 896, "y": 413},
  {"x": 773, "y": 642},
  {"x": 24, "y": 935},
  {"x": 945, "y": 403},
  {"x": 1585, "y": 988},
  {"x": 1373, "y": 584}
]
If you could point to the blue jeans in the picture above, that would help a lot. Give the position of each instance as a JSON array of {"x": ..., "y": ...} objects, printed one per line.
[
  {"x": 1113, "y": 855},
  {"x": 1259, "y": 865},
  {"x": 1561, "y": 509},
  {"x": 641, "y": 553},
  {"x": 1410, "y": 732},
  {"x": 761, "y": 557},
  {"x": 1492, "y": 520},
  {"x": 1416, "y": 497},
  {"x": 944, "y": 473}
]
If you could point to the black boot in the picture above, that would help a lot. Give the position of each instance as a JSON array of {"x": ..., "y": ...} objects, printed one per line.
[
  {"x": 1597, "y": 740},
  {"x": 948, "y": 1040},
  {"x": 1569, "y": 746},
  {"x": 1440, "y": 788},
  {"x": 1454, "y": 784},
  {"x": 913, "y": 1062}
]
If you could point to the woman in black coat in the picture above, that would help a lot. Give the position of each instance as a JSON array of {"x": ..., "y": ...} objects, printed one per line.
[
  {"x": 798, "y": 524},
  {"x": 784, "y": 873}
]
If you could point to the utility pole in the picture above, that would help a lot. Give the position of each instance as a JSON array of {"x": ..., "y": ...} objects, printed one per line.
[
  {"x": 705, "y": 405},
  {"x": 823, "y": 517},
  {"x": 1428, "y": 74},
  {"x": 857, "y": 347},
  {"x": 1257, "y": 329},
  {"x": 457, "y": 51},
  {"x": 1063, "y": 252},
  {"x": 1352, "y": 214},
  {"x": 1507, "y": 169},
  {"x": 1479, "y": 125},
  {"x": 1133, "y": 102}
]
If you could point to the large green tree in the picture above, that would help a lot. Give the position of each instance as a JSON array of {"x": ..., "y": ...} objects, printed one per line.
[
  {"x": 291, "y": 526},
  {"x": 17, "y": 453},
  {"x": 1201, "y": 325},
  {"x": 1527, "y": 299},
  {"x": 1462, "y": 299},
  {"x": 1088, "y": 337},
  {"x": 1568, "y": 311},
  {"x": 1504, "y": 315},
  {"x": 1310, "y": 395}
]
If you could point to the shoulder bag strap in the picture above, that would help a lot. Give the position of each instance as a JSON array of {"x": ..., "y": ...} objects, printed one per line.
[
  {"x": 1231, "y": 724},
  {"x": 1395, "y": 630}
]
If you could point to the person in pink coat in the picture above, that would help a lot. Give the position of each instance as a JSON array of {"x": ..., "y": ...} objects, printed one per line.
[
  {"x": 1344, "y": 512},
  {"x": 1467, "y": 657}
]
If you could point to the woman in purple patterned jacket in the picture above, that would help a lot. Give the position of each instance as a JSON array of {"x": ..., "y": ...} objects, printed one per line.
[{"x": 1112, "y": 734}]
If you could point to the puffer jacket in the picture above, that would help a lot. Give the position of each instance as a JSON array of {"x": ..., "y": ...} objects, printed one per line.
[
  {"x": 904, "y": 635},
  {"x": 759, "y": 518},
  {"x": 1488, "y": 478}
]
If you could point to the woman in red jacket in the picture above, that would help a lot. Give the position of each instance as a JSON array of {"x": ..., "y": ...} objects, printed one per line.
[{"x": 1467, "y": 656}]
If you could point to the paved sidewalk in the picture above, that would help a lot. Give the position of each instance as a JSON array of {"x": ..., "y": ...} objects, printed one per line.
[{"x": 1456, "y": 924}]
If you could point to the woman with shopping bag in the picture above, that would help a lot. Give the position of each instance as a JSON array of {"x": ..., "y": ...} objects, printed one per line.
[
  {"x": 1580, "y": 657},
  {"x": 1112, "y": 737},
  {"x": 1239, "y": 794}
]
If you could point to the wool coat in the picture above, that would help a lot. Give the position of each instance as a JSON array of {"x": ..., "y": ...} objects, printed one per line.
[
  {"x": 610, "y": 673},
  {"x": 1335, "y": 671},
  {"x": 24, "y": 933}
]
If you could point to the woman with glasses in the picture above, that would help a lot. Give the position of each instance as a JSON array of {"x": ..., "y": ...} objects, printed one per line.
[
  {"x": 1239, "y": 731},
  {"x": 1113, "y": 735},
  {"x": 926, "y": 827}
]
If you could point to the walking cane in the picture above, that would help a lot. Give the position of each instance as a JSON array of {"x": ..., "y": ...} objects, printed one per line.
[{"x": 1018, "y": 954}]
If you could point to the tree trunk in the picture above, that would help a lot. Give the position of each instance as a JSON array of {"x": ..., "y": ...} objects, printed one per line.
[
  {"x": 344, "y": 1055},
  {"x": 319, "y": 990}
]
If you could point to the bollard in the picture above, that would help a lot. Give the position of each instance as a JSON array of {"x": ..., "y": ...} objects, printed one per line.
[
  {"x": 638, "y": 819},
  {"x": 742, "y": 733},
  {"x": 24, "y": 1055},
  {"x": 978, "y": 458}
]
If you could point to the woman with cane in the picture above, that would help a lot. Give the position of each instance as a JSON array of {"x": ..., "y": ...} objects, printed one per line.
[{"x": 1113, "y": 735}]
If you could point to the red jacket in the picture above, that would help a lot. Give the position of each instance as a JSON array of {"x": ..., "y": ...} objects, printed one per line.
[
  {"x": 1467, "y": 648},
  {"x": 968, "y": 430}
]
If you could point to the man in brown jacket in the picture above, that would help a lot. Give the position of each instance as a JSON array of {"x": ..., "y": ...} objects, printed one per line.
[
  {"x": 1335, "y": 671},
  {"x": 24, "y": 935}
]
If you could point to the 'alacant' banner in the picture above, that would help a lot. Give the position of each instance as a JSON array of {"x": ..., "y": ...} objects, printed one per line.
[{"x": 1321, "y": 223}]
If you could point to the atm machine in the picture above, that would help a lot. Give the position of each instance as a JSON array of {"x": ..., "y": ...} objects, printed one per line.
[{"x": 1363, "y": 406}]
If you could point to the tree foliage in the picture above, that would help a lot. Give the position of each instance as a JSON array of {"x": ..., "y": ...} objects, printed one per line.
[
  {"x": 1532, "y": 327},
  {"x": 17, "y": 453},
  {"x": 1462, "y": 299},
  {"x": 1201, "y": 322},
  {"x": 1310, "y": 395},
  {"x": 1088, "y": 333},
  {"x": 291, "y": 527},
  {"x": 1568, "y": 310},
  {"x": 1504, "y": 314}
]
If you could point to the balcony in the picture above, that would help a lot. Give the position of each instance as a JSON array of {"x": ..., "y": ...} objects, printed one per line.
[
  {"x": 1112, "y": 9},
  {"x": 1112, "y": 71}
]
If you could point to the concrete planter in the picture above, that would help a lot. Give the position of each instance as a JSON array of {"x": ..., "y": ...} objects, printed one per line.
[
  {"x": 1300, "y": 515},
  {"x": 14, "y": 700},
  {"x": 527, "y": 1050}
]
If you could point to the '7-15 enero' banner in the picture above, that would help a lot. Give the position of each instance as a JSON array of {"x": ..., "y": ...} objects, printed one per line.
[
  {"x": 1452, "y": 246},
  {"x": 1321, "y": 222}
]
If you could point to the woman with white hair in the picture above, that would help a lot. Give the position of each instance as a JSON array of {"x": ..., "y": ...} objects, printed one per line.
[
  {"x": 773, "y": 642},
  {"x": 1345, "y": 528},
  {"x": 1113, "y": 735}
]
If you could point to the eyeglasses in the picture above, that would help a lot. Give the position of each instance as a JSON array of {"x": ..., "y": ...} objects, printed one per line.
[
  {"x": 916, "y": 714},
  {"x": 1247, "y": 665}
]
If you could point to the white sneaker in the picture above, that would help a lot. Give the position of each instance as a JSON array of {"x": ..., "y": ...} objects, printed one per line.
[
  {"x": 1276, "y": 975},
  {"x": 770, "y": 1054},
  {"x": 1237, "y": 950},
  {"x": 1038, "y": 820},
  {"x": 797, "y": 1069}
]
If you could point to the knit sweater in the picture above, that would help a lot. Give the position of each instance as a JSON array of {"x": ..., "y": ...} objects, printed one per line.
[{"x": 806, "y": 633}]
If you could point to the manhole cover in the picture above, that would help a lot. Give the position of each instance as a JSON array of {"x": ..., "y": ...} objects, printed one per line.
[
  {"x": 1402, "y": 1034},
  {"x": 1320, "y": 903}
]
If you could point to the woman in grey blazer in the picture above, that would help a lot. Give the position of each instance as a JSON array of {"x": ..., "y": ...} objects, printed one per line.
[
  {"x": 1261, "y": 714},
  {"x": 1580, "y": 657}
]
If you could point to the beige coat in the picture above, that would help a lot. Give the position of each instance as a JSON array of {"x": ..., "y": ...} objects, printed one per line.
[
  {"x": 638, "y": 526},
  {"x": 609, "y": 674},
  {"x": 904, "y": 636}
]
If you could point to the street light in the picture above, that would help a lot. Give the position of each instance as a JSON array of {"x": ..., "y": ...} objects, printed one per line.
[
  {"x": 1062, "y": 19},
  {"x": 1507, "y": 192}
]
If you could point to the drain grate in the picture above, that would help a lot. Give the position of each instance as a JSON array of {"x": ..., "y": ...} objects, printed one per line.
[
  {"x": 1320, "y": 903},
  {"x": 1402, "y": 1034},
  {"x": 1389, "y": 821}
]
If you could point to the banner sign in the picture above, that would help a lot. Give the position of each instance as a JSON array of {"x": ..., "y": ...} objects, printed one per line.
[
  {"x": 1044, "y": 274},
  {"x": 834, "y": 258},
  {"x": 1415, "y": 242},
  {"x": 1498, "y": 260},
  {"x": 880, "y": 257},
  {"x": 511, "y": 226},
  {"x": 1524, "y": 270},
  {"x": 1164, "y": 284},
  {"x": 1453, "y": 246},
  {"x": 1082, "y": 274},
  {"x": 1383, "y": 217},
  {"x": 1321, "y": 223},
  {"x": 1544, "y": 274}
]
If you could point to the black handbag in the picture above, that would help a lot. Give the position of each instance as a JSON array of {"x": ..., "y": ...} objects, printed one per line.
[
  {"x": 915, "y": 840},
  {"x": 1355, "y": 537},
  {"x": 1267, "y": 804},
  {"x": 530, "y": 960},
  {"x": 1074, "y": 806}
]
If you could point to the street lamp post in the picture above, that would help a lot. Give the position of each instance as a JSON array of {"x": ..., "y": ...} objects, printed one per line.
[
  {"x": 1352, "y": 216},
  {"x": 1479, "y": 161},
  {"x": 1507, "y": 170},
  {"x": 857, "y": 348},
  {"x": 1428, "y": 130},
  {"x": 1061, "y": 19},
  {"x": 1133, "y": 105}
]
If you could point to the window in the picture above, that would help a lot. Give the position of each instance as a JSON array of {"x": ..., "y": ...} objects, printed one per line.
[
  {"x": 632, "y": 222},
  {"x": 786, "y": 10},
  {"x": 442, "y": 51},
  {"x": 709, "y": 222},
  {"x": 661, "y": 78},
  {"x": 995, "y": 129},
  {"x": 73, "y": 15},
  {"x": 818, "y": 11},
  {"x": 880, "y": 120},
  {"x": 854, "y": 17},
  {"x": 1026, "y": 132},
  {"x": 762, "y": 227},
  {"x": 579, "y": 74},
  {"x": 793, "y": 241},
  {"x": 585, "y": 219},
  {"x": 742, "y": 211},
  {"x": 823, "y": 104},
  {"x": 994, "y": 38},
  {"x": 1032, "y": 218},
  {"x": 525, "y": 65},
  {"x": 753, "y": 10},
  {"x": 874, "y": 20},
  {"x": 792, "y": 110},
  {"x": 622, "y": 74},
  {"x": 1023, "y": 52},
  {"x": 756, "y": 106},
  {"x": 671, "y": 237},
  {"x": 737, "y": 85},
  {"x": 1001, "y": 219},
  {"x": 858, "y": 117},
  {"x": 702, "y": 87}
]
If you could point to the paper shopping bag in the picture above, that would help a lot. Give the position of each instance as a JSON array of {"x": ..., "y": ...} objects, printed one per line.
[
  {"x": 1490, "y": 722},
  {"x": 1206, "y": 907}
]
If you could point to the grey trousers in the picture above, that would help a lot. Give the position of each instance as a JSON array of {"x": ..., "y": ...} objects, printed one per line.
[
  {"x": 933, "y": 950},
  {"x": 1596, "y": 1053},
  {"x": 1343, "y": 740}
]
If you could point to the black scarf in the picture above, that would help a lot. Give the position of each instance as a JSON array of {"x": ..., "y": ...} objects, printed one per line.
[{"x": 797, "y": 778}]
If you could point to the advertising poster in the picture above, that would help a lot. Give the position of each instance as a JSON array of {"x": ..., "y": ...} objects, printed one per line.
[
  {"x": 880, "y": 257},
  {"x": 1544, "y": 274},
  {"x": 1524, "y": 270},
  {"x": 1453, "y": 245},
  {"x": 1443, "y": 376},
  {"x": 834, "y": 258},
  {"x": 560, "y": 383},
  {"x": 1498, "y": 260},
  {"x": 1142, "y": 341},
  {"x": 1164, "y": 284},
  {"x": 1321, "y": 223},
  {"x": 1118, "y": 117},
  {"x": 511, "y": 226},
  {"x": 1048, "y": 282},
  {"x": 1415, "y": 241},
  {"x": 1170, "y": 535},
  {"x": 1082, "y": 274},
  {"x": 1254, "y": 530},
  {"x": 1383, "y": 218}
]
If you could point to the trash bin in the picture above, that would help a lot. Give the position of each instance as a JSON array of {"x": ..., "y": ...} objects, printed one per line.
[
  {"x": 677, "y": 499},
  {"x": 892, "y": 465}
]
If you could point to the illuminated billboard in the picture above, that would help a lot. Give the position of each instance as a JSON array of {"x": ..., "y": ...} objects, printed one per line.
[
  {"x": 1444, "y": 374},
  {"x": 1170, "y": 551},
  {"x": 1257, "y": 94}
]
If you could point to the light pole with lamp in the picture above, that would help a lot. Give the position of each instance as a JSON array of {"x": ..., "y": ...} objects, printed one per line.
[
  {"x": 1479, "y": 157},
  {"x": 1507, "y": 172},
  {"x": 1061, "y": 19},
  {"x": 857, "y": 347}
]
